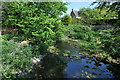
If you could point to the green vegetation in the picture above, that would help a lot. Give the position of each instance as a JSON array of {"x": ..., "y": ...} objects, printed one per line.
[
  {"x": 105, "y": 42},
  {"x": 16, "y": 59},
  {"x": 111, "y": 41},
  {"x": 114, "y": 6},
  {"x": 95, "y": 16},
  {"x": 36, "y": 22},
  {"x": 66, "y": 19},
  {"x": 89, "y": 40},
  {"x": 39, "y": 24},
  {"x": 88, "y": 13}
]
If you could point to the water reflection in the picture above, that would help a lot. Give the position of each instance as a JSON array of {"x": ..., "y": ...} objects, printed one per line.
[
  {"x": 83, "y": 66},
  {"x": 72, "y": 47},
  {"x": 55, "y": 66},
  {"x": 58, "y": 66},
  {"x": 81, "y": 69},
  {"x": 51, "y": 66}
]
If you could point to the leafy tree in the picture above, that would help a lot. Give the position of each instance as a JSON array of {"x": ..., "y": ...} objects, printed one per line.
[
  {"x": 88, "y": 13},
  {"x": 114, "y": 6},
  {"x": 66, "y": 19},
  {"x": 35, "y": 21}
]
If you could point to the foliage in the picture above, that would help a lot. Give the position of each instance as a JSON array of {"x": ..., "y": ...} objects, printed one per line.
[
  {"x": 88, "y": 13},
  {"x": 36, "y": 22},
  {"x": 117, "y": 24},
  {"x": 80, "y": 32},
  {"x": 81, "y": 21},
  {"x": 13, "y": 63},
  {"x": 105, "y": 41},
  {"x": 112, "y": 6},
  {"x": 16, "y": 60},
  {"x": 66, "y": 19},
  {"x": 101, "y": 41},
  {"x": 89, "y": 40},
  {"x": 7, "y": 36},
  {"x": 95, "y": 16},
  {"x": 12, "y": 11},
  {"x": 112, "y": 43}
]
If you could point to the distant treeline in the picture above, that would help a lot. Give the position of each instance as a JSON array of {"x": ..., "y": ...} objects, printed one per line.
[{"x": 94, "y": 22}]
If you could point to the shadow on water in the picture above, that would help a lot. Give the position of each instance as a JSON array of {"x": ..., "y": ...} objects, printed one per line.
[
  {"x": 81, "y": 66},
  {"x": 51, "y": 66},
  {"x": 58, "y": 66}
]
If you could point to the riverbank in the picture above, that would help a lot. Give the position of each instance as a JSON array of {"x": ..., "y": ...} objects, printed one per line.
[
  {"x": 65, "y": 55},
  {"x": 80, "y": 44},
  {"x": 71, "y": 49},
  {"x": 104, "y": 57},
  {"x": 100, "y": 43}
]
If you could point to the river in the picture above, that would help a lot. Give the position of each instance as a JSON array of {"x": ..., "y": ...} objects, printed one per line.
[{"x": 75, "y": 65}]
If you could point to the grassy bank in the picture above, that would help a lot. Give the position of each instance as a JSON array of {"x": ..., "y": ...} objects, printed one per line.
[
  {"x": 16, "y": 58},
  {"x": 100, "y": 43}
]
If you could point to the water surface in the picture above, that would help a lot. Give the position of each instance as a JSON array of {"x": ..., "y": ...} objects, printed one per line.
[{"x": 74, "y": 66}]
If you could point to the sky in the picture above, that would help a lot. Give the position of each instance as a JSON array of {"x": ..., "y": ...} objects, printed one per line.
[{"x": 77, "y": 6}]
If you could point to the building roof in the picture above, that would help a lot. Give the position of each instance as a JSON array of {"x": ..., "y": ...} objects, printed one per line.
[{"x": 76, "y": 13}]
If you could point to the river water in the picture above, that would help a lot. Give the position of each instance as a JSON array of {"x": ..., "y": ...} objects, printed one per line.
[
  {"x": 76, "y": 65},
  {"x": 83, "y": 66}
]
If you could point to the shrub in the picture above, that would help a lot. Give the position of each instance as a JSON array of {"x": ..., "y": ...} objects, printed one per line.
[
  {"x": 111, "y": 41},
  {"x": 89, "y": 40},
  {"x": 80, "y": 32},
  {"x": 14, "y": 59},
  {"x": 7, "y": 36},
  {"x": 66, "y": 19},
  {"x": 83, "y": 21},
  {"x": 88, "y": 13},
  {"x": 35, "y": 21}
]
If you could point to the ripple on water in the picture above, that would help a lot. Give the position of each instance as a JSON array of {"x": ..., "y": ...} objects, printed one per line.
[{"x": 86, "y": 68}]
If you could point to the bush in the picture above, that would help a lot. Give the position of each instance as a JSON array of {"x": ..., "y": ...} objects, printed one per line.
[
  {"x": 111, "y": 41},
  {"x": 36, "y": 22},
  {"x": 80, "y": 32},
  {"x": 14, "y": 59},
  {"x": 82, "y": 21},
  {"x": 7, "y": 36},
  {"x": 66, "y": 19},
  {"x": 118, "y": 23},
  {"x": 88, "y": 13},
  {"x": 89, "y": 40}
]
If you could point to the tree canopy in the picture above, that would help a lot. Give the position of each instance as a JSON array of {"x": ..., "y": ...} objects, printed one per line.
[
  {"x": 113, "y": 6},
  {"x": 35, "y": 21},
  {"x": 89, "y": 13}
]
